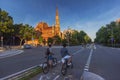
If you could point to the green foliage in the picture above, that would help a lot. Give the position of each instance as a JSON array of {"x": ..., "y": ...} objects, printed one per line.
[
  {"x": 40, "y": 39},
  {"x": 57, "y": 40},
  {"x": 75, "y": 37},
  {"x": 24, "y": 32},
  {"x": 50, "y": 40},
  {"x": 87, "y": 39},
  {"x": 31, "y": 74},
  {"x": 64, "y": 41},
  {"x": 6, "y": 23},
  {"x": 107, "y": 32}
]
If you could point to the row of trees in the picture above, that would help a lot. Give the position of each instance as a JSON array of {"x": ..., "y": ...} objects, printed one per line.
[
  {"x": 77, "y": 37},
  {"x": 109, "y": 34},
  {"x": 72, "y": 37},
  {"x": 14, "y": 34}
]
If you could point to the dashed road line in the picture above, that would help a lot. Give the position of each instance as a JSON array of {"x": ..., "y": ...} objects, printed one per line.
[
  {"x": 88, "y": 75},
  {"x": 88, "y": 61}
]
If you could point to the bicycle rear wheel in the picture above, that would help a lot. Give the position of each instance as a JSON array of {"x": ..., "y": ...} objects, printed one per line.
[
  {"x": 45, "y": 67},
  {"x": 64, "y": 69}
]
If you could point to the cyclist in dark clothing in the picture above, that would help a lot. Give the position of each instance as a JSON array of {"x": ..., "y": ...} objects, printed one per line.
[{"x": 49, "y": 54}]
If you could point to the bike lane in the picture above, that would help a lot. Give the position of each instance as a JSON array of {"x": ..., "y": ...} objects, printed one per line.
[{"x": 79, "y": 59}]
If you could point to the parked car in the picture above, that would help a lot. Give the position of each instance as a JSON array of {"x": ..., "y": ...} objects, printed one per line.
[{"x": 27, "y": 46}]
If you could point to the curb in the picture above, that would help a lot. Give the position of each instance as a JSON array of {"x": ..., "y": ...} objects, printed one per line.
[{"x": 21, "y": 74}]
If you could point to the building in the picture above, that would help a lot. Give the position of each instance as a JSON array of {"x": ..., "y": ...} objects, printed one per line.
[
  {"x": 118, "y": 20},
  {"x": 48, "y": 31}
]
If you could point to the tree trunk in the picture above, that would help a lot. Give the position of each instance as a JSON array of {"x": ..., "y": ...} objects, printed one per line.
[{"x": 21, "y": 40}]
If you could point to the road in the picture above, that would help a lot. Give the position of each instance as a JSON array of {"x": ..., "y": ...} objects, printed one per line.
[
  {"x": 29, "y": 58},
  {"x": 104, "y": 62}
]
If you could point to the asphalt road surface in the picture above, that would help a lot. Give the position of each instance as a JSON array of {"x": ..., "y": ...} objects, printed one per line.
[{"x": 105, "y": 62}]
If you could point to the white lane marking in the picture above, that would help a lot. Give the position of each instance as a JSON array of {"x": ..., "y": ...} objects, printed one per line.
[
  {"x": 56, "y": 77},
  {"x": 9, "y": 54},
  {"x": 18, "y": 73},
  {"x": 85, "y": 74},
  {"x": 77, "y": 51},
  {"x": 41, "y": 78},
  {"x": 88, "y": 61}
]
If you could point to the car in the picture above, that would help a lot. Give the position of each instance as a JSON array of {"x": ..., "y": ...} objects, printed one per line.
[{"x": 27, "y": 46}]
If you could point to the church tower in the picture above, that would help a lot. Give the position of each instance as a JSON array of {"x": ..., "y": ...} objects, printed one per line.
[{"x": 57, "y": 23}]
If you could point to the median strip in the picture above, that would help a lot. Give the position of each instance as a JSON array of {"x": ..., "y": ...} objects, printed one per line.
[{"x": 24, "y": 74}]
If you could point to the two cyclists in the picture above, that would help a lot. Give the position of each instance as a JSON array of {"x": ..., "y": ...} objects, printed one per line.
[{"x": 66, "y": 59}]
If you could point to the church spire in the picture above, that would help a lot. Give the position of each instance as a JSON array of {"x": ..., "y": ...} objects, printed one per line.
[{"x": 57, "y": 23}]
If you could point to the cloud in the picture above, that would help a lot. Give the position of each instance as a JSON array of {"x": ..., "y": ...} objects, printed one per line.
[{"x": 92, "y": 26}]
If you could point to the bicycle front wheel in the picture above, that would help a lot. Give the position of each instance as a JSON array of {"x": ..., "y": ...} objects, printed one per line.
[
  {"x": 45, "y": 67},
  {"x": 54, "y": 61}
]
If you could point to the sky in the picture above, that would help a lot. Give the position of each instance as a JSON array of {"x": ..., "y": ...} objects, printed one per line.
[{"x": 86, "y": 15}]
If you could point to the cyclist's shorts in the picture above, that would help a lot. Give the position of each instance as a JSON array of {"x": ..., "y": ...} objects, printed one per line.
[
  {"x": 66, "y": 57},
  {"x": 50, "y": 57}
]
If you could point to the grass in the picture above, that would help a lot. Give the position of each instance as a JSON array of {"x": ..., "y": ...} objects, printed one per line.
[{"x": 31, "y": 73}]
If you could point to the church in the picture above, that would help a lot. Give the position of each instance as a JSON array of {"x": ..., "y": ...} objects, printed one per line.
[{"x": 48, "y": 31}]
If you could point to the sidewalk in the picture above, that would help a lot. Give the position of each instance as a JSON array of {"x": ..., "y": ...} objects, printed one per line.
[{"x": 9, "y": 53}]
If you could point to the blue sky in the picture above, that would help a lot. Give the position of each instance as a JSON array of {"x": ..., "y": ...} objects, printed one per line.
[{"x": 87, "y": 15}]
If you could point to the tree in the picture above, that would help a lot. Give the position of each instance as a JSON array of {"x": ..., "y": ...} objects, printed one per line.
[
  {"x": 109, "y": 33},
  {"x": 57, "y": 40},
  {"x": 24, "y": 32},
  {"x": 40, "y": 39},
  {"x": 6, "y": 22},
  {"x": 6, "y": 27},
  {"x": 75, "y": 37},
  {"x": 81, "y": 36},
  {"x": 87, "y": 39}
]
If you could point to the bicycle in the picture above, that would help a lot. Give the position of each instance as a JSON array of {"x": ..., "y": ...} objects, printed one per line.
[
  {"x": 46, "y": 65},
  {"x": 65, "y": 66}
]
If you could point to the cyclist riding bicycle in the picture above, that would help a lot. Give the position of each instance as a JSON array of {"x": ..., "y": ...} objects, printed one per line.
[
  {"x": 49, "y": 56},
  {"x": 65, "y": 55}
]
